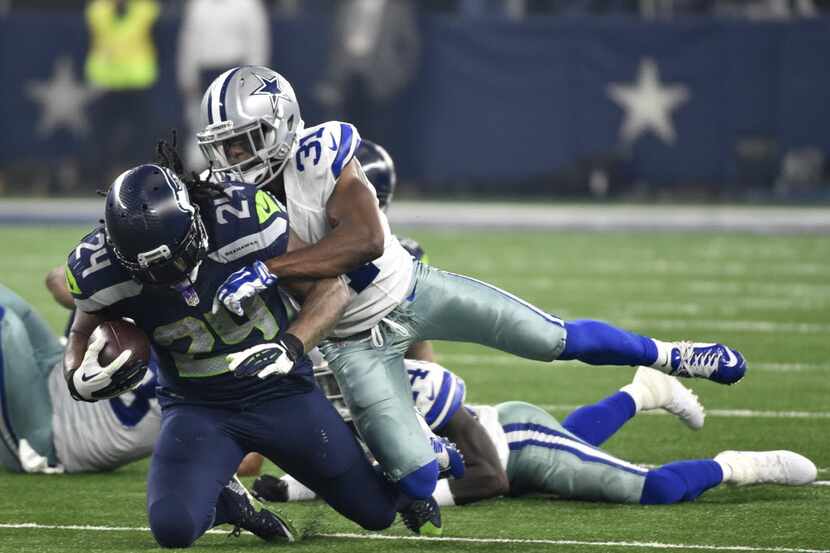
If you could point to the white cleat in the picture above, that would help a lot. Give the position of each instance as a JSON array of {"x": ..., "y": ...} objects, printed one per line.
[
  {"x": 661, "y": 391},
  {"x": 743, "y": 468}
]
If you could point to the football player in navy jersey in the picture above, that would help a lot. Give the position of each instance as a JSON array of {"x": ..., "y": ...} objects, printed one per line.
[
  {"x": 253, "y": 132},
  {"x": 228, "y": 384}
]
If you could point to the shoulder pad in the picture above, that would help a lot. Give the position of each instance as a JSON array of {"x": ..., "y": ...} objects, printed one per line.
[
  {"x": 247, "y": 222},
  {"x": 327, "y": 148},
  {"x": 93, "y": 277},
  {"x": 437, "y": 392}
]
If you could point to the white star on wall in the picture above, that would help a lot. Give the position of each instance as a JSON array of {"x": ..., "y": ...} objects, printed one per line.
[
  {"x": 648, "y": 104},
  {"x": 63, "y": 101}
]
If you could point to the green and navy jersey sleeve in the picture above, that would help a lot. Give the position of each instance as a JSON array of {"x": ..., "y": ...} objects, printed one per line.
[
  {"x": 251, "y": 224},
  {"x": 95, "y": 280}
]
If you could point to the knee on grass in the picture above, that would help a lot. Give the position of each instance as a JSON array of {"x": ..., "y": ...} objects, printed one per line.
[{"x": 171, "y": 523}]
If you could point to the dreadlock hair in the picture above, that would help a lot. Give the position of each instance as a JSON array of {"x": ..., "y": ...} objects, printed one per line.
[{"x": 201, "y": 190}]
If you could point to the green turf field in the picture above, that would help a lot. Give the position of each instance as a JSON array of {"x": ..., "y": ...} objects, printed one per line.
[{"x": 768, "y": 296}]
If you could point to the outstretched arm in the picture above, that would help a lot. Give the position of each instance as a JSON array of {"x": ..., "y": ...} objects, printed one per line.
[
  {"x": 356, "y": 236},
  {"x": 56, "y": 284},
  {"x": 484, "y": 476}
]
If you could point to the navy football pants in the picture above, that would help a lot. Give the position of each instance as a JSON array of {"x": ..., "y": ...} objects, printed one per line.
[{"x": 200, "y": 448}]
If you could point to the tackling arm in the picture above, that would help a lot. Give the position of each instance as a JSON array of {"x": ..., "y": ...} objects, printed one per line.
[
  {"x": 56, "y": 284},
  {"x": 484, "y": 476},
  {"x": 356, "y": 236},
  {"x": 323, "y": 302}
]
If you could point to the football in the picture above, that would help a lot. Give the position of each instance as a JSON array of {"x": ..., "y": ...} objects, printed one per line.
[{"x": 122, "y": 335}]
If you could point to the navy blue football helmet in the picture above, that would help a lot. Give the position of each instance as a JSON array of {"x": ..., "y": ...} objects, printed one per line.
[
  {"x": 379, "y": 169},
  {"x": 153, "y": 228}
]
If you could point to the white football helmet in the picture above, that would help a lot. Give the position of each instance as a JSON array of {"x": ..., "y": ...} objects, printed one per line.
[{"x": 250, "y": 121}]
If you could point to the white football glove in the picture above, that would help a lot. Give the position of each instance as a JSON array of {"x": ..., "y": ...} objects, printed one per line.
[
  {"x": 91, "y": 381},
  {"x": 245, "y": 283}
]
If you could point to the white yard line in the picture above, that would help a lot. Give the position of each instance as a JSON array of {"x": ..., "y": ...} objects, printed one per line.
[{"x": 354, "y": 536}]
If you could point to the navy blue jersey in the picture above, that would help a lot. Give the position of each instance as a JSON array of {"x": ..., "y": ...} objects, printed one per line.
[{"x": 192, "y": 342}]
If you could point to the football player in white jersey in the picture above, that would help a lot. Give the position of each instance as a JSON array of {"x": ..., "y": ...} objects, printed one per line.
[
  {"x": 253, "y": 132},
  {"x": 516, "y": 448},
  {"x": 43, "y": 429}
]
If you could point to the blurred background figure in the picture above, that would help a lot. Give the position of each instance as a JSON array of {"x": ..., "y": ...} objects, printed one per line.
[
  {"x": 216, "y": 35},
  {"x": 122, "y": 62},
  {"x": 373, "y": 56},
  {"x": 544, "y": 99}
]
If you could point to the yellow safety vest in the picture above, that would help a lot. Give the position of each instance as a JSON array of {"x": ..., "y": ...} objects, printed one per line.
[{"x": 122, "y": 55}]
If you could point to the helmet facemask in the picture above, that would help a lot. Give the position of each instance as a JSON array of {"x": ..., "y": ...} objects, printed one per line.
[
  {"x": 250, "y": 121},
  {"x": 161, "y": 266},
  {"x": 249, "y": 153}
]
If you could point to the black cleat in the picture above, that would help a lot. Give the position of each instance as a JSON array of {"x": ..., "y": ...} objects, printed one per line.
[
  {"x": 423, "y": 516},
  {"x": 249, "y": 514},
  {"x": 270, "y": 488}
]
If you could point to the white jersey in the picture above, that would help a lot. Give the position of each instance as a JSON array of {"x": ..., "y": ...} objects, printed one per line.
[
  {"x": 106, "y": 434},
  {"x": 309, "y": 176},
  {"x": 438, "y": 393},
  {"x": 488, "y": 417}
]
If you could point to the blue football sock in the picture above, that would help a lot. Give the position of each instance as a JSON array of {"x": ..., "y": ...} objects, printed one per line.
[
  {"x": 598, "y": 343},
  {"x": 598, "y": 422},
  {"x": 680, "y": 481},
  {"x": 421, "y": 483}
]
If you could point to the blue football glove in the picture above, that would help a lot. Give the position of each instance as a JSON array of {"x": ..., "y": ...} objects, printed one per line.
[
  {"x": 263, "y": 360},
  {"x": 241, "y": 285}
]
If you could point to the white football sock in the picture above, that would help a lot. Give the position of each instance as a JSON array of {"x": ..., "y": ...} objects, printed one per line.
[
  {"x": 663, "y": 361},
  {"x": 635, "y": 392},
  {"x": 297, "y": 491},
  {"x": 442, "y": 494},
  {"x": 726, "y": 469}
]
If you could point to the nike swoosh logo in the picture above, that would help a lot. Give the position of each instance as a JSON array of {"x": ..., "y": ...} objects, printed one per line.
[
  {"x": 731, "y": 358},
  {"x": 87, "y": 377},
  {"x": 333, "y": 146}
]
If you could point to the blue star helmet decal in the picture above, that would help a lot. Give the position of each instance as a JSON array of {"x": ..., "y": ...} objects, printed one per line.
[{"x": 268, "y": 87}]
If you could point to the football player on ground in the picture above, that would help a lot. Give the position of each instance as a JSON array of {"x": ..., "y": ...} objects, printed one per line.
[
  {"x": 253, "y": 132},
  {"x": 62, "y": 435},
  {"x": 228, "y": 384},
  {"x": 44, "y": 430},
  {"x": 516, "y": 448}
]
